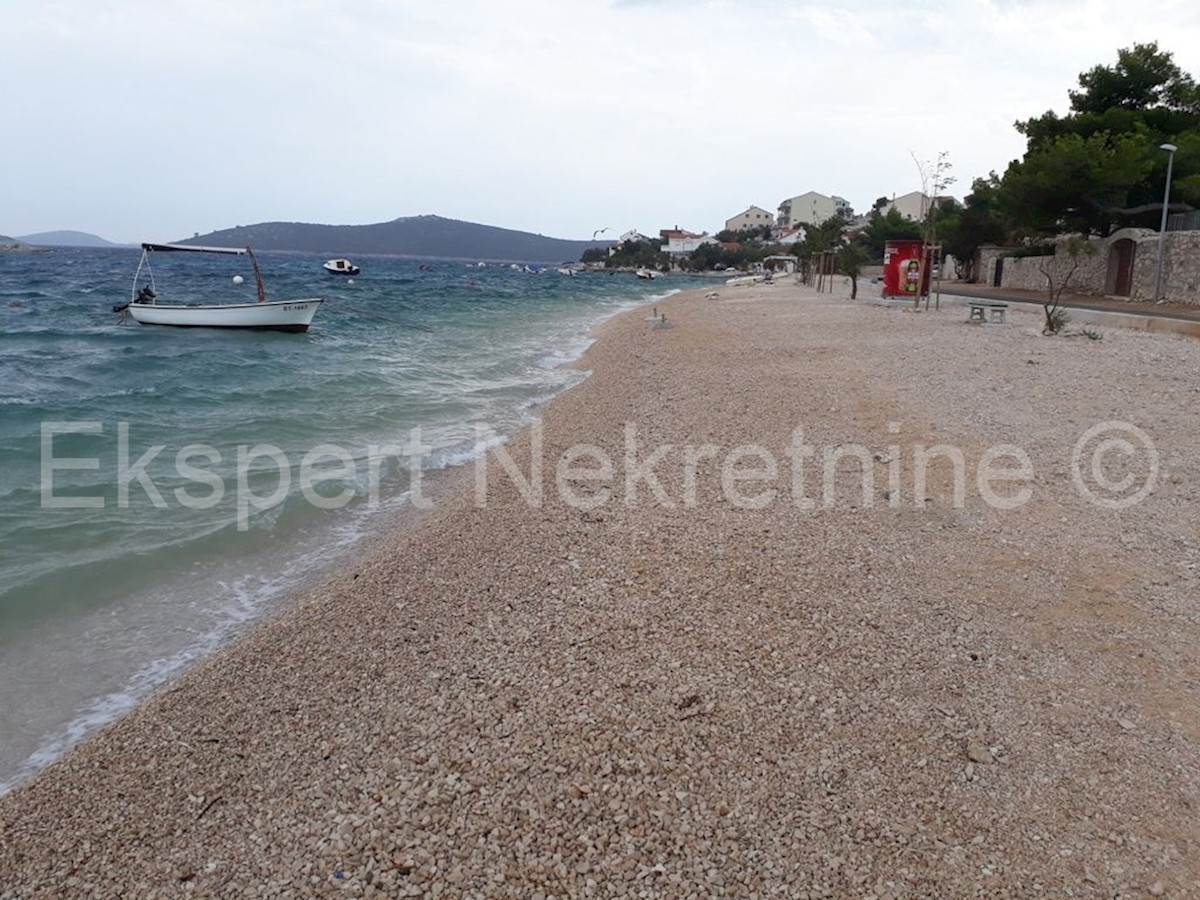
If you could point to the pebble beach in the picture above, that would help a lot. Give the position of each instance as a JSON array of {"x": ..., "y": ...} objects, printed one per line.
[{"x": 748, "y": 632}]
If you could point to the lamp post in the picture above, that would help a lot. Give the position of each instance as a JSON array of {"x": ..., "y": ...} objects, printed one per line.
[{"x": 1162, "y": 228}]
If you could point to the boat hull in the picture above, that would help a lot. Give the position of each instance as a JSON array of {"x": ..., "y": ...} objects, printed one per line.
[{"x": 280, "y": 315}]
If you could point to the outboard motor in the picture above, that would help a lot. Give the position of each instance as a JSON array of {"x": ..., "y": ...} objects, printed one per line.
[{"x": 144, "y": 297}]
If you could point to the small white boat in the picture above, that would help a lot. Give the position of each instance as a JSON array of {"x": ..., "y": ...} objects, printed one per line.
[
  {"x": 263, "y": 315},
  {"x": 278, "y": 315},
  {"x": 646, "y": 273},
  {"x": 341, "y": 267}
]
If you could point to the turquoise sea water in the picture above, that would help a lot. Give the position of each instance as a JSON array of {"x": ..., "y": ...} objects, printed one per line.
[{"x": 107, "y": 591}]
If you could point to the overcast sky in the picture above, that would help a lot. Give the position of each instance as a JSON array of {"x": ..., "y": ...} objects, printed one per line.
[{"x": 153, "y": 120}]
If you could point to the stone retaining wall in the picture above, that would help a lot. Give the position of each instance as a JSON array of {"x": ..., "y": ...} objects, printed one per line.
[{"x": 1098, "y": 273}]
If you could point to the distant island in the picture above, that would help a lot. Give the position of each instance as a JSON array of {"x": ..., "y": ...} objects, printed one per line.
[
  {"x": 8, "y": 243},
  {"x": 64, "y": 239},
  {"x": 421, "y": 236},
  {"x": 428, "y": 237}
]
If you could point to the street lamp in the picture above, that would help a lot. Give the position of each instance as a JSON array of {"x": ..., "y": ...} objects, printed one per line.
[{"x": 1162, "y": 228}]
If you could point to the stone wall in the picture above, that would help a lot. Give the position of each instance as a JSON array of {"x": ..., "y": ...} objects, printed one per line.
[
  {"x": 1097, "y": 272},
  {"x": 1181, "y": 268},
  {"x": 1029, "y": 272},
  {"x": 985, "y": 265}
]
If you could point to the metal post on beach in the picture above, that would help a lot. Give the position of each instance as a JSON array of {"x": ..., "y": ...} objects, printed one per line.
[{"x": 1162, "y": 228}]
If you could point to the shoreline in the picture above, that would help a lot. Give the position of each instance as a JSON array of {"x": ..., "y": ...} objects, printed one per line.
[
  {"x": 648, "y": 695},
  {"x": 228, "y": 618},
  {"x": 438, "y": 484}
]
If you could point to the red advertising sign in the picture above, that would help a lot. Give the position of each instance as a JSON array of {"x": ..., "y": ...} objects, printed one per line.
[{"x": 903, "y": 275}]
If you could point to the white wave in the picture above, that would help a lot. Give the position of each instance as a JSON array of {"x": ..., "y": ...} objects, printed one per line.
[
  {"x": 665, "y": 294},
  {"x": 564, "y": 356},
  {"x": 451, "y": 458},
  {"x": 241, "y": 601}
]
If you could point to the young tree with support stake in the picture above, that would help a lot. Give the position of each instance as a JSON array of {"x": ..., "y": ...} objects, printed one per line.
[
  {"x": 850, "y": 259},
  {"x": 1077, "y": 248},
  {"x": 937, "y": 176}
]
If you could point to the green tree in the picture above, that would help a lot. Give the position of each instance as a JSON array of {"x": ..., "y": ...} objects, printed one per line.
[
  {"x": 638, "y": 254},
  {"x": 1083, "y": 184},
  {"x": 851, "y": 258},
  {"x": 1143, "y": 78},
  {"x": 883, "y": 228},
  {"x": 1145, "y": 86},
  {"x": 966, "y": 228},
  {"x": 760, "y": 233},
  {"x": 708, "y": 257},
  {"x": 828, "y": 235},
  {"x": 1058, "y": 274},
  {"x": 1100, "y": 167}
]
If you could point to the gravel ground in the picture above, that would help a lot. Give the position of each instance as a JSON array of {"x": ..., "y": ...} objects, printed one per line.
[{"x": 867, "y": 693}]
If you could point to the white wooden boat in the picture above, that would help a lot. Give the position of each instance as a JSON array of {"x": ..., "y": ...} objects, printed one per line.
[
  {"x": 263, "y": 315},
  {"x": 341, "y": 267},
  {"x": 278, "y": 315}
]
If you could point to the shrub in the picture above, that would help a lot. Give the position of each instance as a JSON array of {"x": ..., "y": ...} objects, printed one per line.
[{"x": 1056, "y": 321}]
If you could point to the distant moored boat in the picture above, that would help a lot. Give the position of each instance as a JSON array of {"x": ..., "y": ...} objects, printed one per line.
[{"x": 341, "y": 267}]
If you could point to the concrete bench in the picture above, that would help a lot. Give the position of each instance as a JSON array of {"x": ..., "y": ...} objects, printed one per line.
[{"x": 986, "y": 311}]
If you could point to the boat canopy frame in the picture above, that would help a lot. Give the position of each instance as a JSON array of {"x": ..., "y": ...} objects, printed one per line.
[{"x": 148, "y": 248}]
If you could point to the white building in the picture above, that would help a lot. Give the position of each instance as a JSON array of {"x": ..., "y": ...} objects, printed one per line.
[
  {"x": 812, "y": 208},
  {"x": 679, "y": 242},
  {"x": 789, "y": 236},
  {"x": 633, "y": 236},
  {"x": 914, "y": 205},
  {"x": 780, "y": 263},
  {"x": 630, "y": 237},
  {"x": 753, "y": 217}
]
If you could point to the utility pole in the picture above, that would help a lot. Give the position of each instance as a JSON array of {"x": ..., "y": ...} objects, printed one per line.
[{"x": 1162, "y": 229}]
